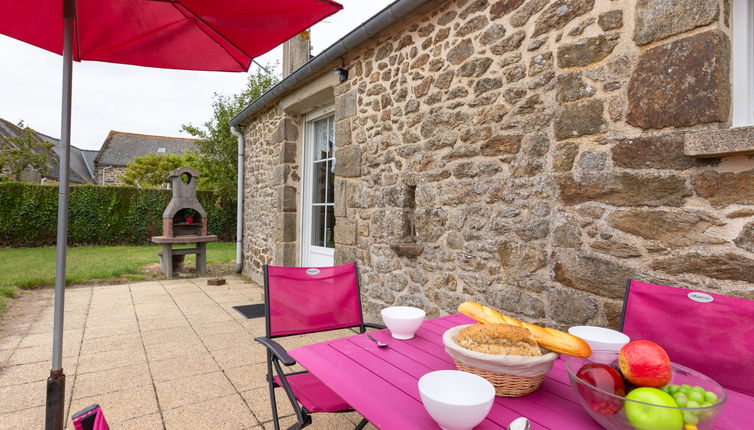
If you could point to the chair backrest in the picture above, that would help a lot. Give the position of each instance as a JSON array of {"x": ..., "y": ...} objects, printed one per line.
[
  {"x": 709, "y": 333},
  {"x": 90, "y": 418},
  {"x": 311, "y": 299}
]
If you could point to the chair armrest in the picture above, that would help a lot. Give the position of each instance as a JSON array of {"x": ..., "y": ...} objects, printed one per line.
[
  {"x": 277, "y": 350},
  {"x": 373, "y": 325}
]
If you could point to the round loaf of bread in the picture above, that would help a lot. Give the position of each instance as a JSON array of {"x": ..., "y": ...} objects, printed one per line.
[{"x": 499, "y": 339}]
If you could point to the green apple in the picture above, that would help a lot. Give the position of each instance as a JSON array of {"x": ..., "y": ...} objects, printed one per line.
[{"x": 645, "y": 417}]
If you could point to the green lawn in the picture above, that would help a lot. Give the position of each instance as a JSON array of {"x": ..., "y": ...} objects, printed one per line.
[{"x": 35, "y": 267}]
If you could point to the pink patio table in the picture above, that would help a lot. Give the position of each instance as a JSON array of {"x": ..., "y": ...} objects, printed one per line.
[{"x": 381, "y": 383}]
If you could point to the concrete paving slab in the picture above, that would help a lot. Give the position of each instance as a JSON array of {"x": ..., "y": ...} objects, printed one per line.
[
  {"x": 194, "y": 389},
  {"x": 224, "y": 413}
]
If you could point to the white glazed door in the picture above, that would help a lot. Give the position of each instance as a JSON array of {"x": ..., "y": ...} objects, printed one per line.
[{"x": 318, "y": 242}]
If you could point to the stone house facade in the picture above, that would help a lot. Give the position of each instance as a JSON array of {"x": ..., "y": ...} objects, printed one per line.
[{"x": 527, "y": 154}]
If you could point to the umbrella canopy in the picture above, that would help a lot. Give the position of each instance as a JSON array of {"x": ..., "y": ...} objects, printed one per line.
[{"x": 210, "y": 35}]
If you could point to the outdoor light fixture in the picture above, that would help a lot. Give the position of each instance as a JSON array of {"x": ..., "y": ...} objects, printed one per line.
[{"x": 342, "y": 73}]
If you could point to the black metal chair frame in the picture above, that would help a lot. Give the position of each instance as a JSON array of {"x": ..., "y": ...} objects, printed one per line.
[{"x": 277, "y": 354}]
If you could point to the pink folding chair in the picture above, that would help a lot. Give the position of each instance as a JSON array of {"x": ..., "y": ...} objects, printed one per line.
[
  {"x": 709, "y": 333},
  {"x": 300, "y": 300},
  {"x": 90, "y": 418}
]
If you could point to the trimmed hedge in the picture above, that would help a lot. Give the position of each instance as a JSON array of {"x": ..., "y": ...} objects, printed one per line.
[{"x": 109, "y": 215}]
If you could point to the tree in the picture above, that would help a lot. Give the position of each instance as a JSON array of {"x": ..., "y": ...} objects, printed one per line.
[
  {"x": 21, "y": 152},
  {"x": 216, "y": 146},
  {"x": 152, "y": 170}
]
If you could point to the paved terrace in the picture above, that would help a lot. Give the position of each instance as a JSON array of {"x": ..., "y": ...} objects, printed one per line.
[{"x": 155, "y": 355}]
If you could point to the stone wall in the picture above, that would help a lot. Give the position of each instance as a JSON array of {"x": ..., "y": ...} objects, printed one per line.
[
  {"x": 112, "y": 175},
  {"x": 529, "y": 155},
  {"x": 271, "y": 182}
]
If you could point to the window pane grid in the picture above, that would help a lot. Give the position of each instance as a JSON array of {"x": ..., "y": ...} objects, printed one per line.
[{"x": 322, "y": 180}]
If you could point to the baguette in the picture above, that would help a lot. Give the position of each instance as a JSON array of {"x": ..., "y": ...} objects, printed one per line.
[{"x": 554, "y": 340}]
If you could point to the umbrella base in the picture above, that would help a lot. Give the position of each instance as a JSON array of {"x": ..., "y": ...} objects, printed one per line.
[{"x": 55, "y": 413}]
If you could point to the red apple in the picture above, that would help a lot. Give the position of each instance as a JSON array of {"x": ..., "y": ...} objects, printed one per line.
[
  {"x": 605, "y": 378},
  {"x": 645, "y": 363}
]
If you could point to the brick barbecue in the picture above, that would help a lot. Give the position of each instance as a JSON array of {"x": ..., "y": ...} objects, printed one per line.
[{"x": 183, "y": 221}]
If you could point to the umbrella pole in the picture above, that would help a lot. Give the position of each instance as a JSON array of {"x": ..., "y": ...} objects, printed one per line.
[{"x": 55, "y": 411}]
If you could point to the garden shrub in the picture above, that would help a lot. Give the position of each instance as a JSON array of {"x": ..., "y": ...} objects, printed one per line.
[{"x": 98, "y": 215}]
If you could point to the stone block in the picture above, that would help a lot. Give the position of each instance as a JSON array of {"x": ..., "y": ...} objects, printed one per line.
[
  {"x": 348, "y": 162},
  {"x": 571, "y": 87},
  {"x": 745, "y": 239},
  {"x": 567, "y": 236},
  {"x": 286, "y": 199},
  {"x": 519, "y": 260},
  {"x": 285, "y": 255},
  {"x": 504, "y": 7},
  {"x": 658, "y": 19},
  {"x": 286, "y": 130},
  {"x": 723, "y": 189},
  {"x": 510, "y": 299},
  {"x": 624, "y": 189},
  {"x": 616, "y": 248},
  {"x": 471, "y": 26},
  {"x": 560, "y": 13},
  {"x": 345, "y": 105},
  {"x": 593, "y": 161},
  {"x": 475, "y": 67},
  {"x": 670, "y": 229},
  {"x": 348, "y": 254},
  {"x": 611, "y": 20},
  {"x": 727, "y": 266},
  {"x": 529, "y": 9},
  {"x": 474, "y": 7},
  {"x": 586, "y": 51},
  {"x": 718, "y": 143},
  {"x": 285, "y": 227},
  {"x": 593, "y": 275},
  {"x": 342, "y": 133},
  {"x": 510, "y": 43},
  {"x": 288, "y": 152},
  {"x": 459, "y": 53},
  {"x": 682, "y": 83},
  {"x": 568, "y": 307},
  {"x": 341, "y": 197},
  {"x": 564, "y": 155},
  {"x": 580, "y": 119},
  {"x": 345, "y": 231},
  {"x": 653, "y": 152},
  {"x": 280, "y": 174}
]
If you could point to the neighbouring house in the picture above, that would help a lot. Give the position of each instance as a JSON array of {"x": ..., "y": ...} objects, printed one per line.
[
  {"x": 81, "y": 160},
  {"x": 530, "y": 155},
  {"x": 121, "y": 148}
]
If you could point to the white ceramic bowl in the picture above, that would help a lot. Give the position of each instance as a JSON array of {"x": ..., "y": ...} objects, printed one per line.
[
  {"x": 456, "y": 400},
  {"x": 600, "y": 339},
  {"x": 403, "y": 321}
]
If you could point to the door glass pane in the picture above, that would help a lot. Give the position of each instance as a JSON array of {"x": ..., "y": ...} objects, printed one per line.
[
  {"x": 321, "y": 139},
  {"x": 330, "y": 137},
  {"x": 330, "y": 181},
  {"x": 319, "y": 181},
  {"x": 318, "y": 225},
  {"x": 329, "y": 230}
]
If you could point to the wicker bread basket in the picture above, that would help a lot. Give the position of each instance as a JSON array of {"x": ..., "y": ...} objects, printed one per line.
[{"x": 512, "y": 376}]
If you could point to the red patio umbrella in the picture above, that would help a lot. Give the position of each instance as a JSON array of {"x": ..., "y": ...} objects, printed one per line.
[{"x": 210, "y": 35}]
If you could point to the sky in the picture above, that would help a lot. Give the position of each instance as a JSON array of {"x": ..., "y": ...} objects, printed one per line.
[{"x": 130, "y": 98}]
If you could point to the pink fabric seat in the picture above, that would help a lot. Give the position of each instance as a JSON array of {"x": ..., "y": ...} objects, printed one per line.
[
  {"x": 313, "y": 394},
  {"x": 300, "y": 300},
  {"x": 710, "y": 333}
]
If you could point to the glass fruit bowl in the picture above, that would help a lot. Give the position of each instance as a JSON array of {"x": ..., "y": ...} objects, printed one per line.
[{"x": 644, "y": 412}]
